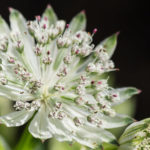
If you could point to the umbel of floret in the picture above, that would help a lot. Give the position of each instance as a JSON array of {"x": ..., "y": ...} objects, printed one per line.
[{"x": 55, "y": 75}]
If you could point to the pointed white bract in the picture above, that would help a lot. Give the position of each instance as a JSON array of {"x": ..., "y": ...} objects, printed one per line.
[{"x": 55, "y": 72}]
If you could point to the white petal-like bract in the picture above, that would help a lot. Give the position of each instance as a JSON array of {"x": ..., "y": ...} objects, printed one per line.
[{"x": 54, "y": 71}]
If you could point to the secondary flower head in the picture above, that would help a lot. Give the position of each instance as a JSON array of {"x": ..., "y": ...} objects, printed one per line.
[
  {"x": 136, "y": 136},
  {"x": 55, "y": 74}
]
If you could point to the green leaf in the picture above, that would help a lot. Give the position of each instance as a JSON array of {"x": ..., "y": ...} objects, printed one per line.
[
  {"x": 109, "y": 44},
  {"x": 126, "y": 147},
  {"x": 3, "y": 144},
  {"x": 50, "y": 15},
  {"x": 126, "y": 93},
  {"x": 55, "y": 145},
  {"x": 78, "y": 22},
  {"x": 128, "y": 107},
  {"x": 108, "y": 146}
]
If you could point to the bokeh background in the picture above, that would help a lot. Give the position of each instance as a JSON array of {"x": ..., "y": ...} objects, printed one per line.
[{"x": 132, "y": 57}]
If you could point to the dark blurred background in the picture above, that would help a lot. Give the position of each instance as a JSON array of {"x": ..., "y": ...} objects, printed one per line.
[{"x": 129, "y": 17}]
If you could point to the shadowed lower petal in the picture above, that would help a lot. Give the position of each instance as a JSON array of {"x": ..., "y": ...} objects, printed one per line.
[{"x": 16, "y": 118}]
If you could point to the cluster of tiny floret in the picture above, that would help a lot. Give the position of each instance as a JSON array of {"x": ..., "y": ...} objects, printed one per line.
[
  {"x": 80, "y": 45},
  {"x": 142, "y": 139},
  {"x": 20, "y": 105}
]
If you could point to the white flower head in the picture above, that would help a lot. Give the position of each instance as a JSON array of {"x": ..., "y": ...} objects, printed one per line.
[{"x": 54, "y": 73}]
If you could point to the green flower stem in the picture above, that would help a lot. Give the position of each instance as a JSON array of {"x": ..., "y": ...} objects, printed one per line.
[{"x": 27, "y": 142}]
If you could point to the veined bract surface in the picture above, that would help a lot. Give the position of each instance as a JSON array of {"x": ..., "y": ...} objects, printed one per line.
[{"x": 53, "y": 72}]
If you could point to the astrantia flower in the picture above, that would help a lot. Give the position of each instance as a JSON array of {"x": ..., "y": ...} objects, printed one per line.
[
  {"x": 136, "y": 136},
  {"x": 54, "y": 74}
]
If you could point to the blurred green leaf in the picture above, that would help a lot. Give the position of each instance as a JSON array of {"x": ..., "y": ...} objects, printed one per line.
[
  {"x": 128, "y": 107},
  {"x": 8, "y": 133},
  {"x": 55, "y": 145},
  {"x": 27, "y": 142},
  {"x": 5, "y": 106},
  {"x": 3, "y": 144},
  {"x": 107, "y": 146}
]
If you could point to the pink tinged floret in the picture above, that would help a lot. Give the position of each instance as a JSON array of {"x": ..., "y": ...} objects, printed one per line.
[
  {"x": 95, "y": 30},
  {"x": 117, "y": 69},
  {"x": 49, "y": 6},
  {"x": 44, "y": 26},
  {"x": 48, "y": 52},
  {"x": 16, "y": 72},
  {"x": 115, "y": 95},
  {"x": 78, "y": 35},
  {"x": 99, "y": 82},
  {"x": 38, "y": 18},
  {"x": 92, "y": 82},
  {"x": 10, "y": 9},
  {"x": 77, "y": 51},
  {"x": 11, "y": 60},
  {"x": 67, "y": 26},
  {"x": 83, "y": 11},
  {"x": 117, "y": 33}
]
